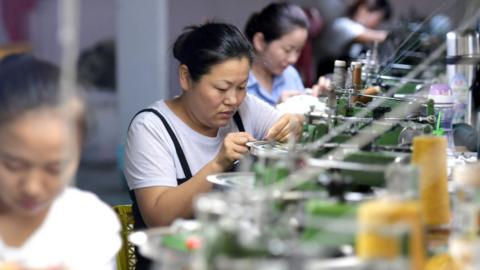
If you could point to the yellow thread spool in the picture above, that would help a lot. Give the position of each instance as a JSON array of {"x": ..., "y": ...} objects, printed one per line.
[
  {"x": 441, "y": 262},
  {"x": 356, "y": 81},
  {"x": 430, "y": 155},
  {"x": 378, "y": 215}
]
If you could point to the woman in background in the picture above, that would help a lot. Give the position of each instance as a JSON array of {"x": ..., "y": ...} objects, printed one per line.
[
  {"x": 43, "y": 223},
  {"x": 360, "y": 26},
  {"x": 278, "y": 33}
]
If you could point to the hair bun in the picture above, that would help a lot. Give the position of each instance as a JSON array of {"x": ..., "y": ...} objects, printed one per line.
[{"x": 180, "y": 49}]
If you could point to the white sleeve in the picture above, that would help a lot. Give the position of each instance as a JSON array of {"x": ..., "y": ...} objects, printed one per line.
[
  {"x": 148, "y": 159},
  {"x": 346, "y": 30},
  {"x": 105, "y": 242},
  {"x": 259, "y": 116},
  {"x": 95, "y": 233}
]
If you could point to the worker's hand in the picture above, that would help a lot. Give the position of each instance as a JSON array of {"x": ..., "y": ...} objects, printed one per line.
[
  {"x": 234, "y": 148},
  {"x": 10, "y": 266},
  {"x": 382, "y": 35},
  {"x": 286, "y": 94},
  {"x": 322, "y": 87},
  {"x": 15, "y": 266},
  {"x": 288, "y": 123}
]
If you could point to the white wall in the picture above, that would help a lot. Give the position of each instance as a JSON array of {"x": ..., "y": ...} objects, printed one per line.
[
  {"x": 97, "y": 22},
  {"x": 141, "y": 56}
]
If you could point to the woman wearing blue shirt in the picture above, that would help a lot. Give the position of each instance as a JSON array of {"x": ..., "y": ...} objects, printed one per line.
[{"x": 277, "y": 33}]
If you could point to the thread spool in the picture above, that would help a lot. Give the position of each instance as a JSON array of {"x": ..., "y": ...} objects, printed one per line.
[
  {"x": 338, "y": 82},
  {"x": 339, "y": 74},
  {"x": 379, "y": 215},
  {"x": 357, "y": 81},
  {"x": 430, "y": 155}
]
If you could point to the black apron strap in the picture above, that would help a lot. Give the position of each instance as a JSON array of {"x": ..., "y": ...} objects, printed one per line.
[
  {"x": 178, "y": 148},
  {"x": 239, "y": 122},
  {"x": 142, "y": 262}
]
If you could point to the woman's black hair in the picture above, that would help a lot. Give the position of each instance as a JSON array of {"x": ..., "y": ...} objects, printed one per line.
[
  {"x": 26, "y": 84},
  {"x": 371, "y": 5},
  {"x": 96, "y": 66},
  {"x": 201, "y": 47},
  {"x": 276, "y": 20}
]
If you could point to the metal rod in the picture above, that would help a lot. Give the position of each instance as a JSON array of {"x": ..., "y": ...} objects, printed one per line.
[
  {"x": 68, "y": 37},
  {"x": 395, "y": 98},
  {"x": 401, "y": 79},
  {"x": 345, "y": 165}
]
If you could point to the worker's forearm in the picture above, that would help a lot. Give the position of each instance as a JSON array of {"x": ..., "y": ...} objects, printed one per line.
[
  {"x": 371, "y": 35},
  {"x": 177, "y": 202}
]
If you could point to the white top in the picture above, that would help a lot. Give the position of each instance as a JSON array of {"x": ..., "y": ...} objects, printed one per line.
[
  {"x": 79, "y": 232},
  {"x": 150, "y": 156},
  {"x": 338, "y": 36}
]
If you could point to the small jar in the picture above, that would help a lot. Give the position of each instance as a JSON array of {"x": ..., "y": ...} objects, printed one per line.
[{"x": 442, "y": 95}]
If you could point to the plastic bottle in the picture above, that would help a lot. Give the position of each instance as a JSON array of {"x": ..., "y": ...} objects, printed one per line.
[{"x": 444, "y": 100}]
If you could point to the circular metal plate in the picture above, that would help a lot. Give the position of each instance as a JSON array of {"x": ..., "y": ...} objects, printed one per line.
[
  {"x": 268, "y": 148},
  {"x": 233, "y": 179}
]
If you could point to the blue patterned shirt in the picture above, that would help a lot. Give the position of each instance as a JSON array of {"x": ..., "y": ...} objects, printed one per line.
[{"x": 288, "y": 80}]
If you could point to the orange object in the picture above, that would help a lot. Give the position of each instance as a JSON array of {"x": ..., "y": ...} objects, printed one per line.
[
  {"x": 7, "y": 49},
  {"x": 373, "y": 90},
  {"x": 193, "y": 243},
  {"x": 9, "y": 266}
]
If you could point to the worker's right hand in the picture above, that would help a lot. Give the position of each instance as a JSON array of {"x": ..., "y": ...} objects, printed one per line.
[
  {"x": 322, "y": 87},
  {"x": 234, "y": 148}
]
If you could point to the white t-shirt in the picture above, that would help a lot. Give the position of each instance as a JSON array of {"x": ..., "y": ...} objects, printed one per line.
[
  {"x": 150, "y": 156},
  {"x": 79, "y": 232},
  {"x": 338, "y": 36}
]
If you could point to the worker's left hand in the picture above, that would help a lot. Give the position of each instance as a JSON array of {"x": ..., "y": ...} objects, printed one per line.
[
  {"x": 288, "y": 123},
  {"x": 322, "y": 87}
]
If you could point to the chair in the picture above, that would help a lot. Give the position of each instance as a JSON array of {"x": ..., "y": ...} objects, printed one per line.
[{"x": 126, "y": 256}]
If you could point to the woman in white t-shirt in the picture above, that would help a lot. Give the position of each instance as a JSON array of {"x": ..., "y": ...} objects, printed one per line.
[
  {"x": 360, "y": 26},
  {"x": 176, "y": 143},
  {"x": 43, "y": 223}
]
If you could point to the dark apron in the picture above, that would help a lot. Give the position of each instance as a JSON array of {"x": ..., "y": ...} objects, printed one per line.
[{"x": 142, "y": 262}]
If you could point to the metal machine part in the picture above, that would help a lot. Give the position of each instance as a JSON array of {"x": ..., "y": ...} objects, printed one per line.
[
  {"x": 463, "y": 58},
  {"x": 268, "y": 148}
]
